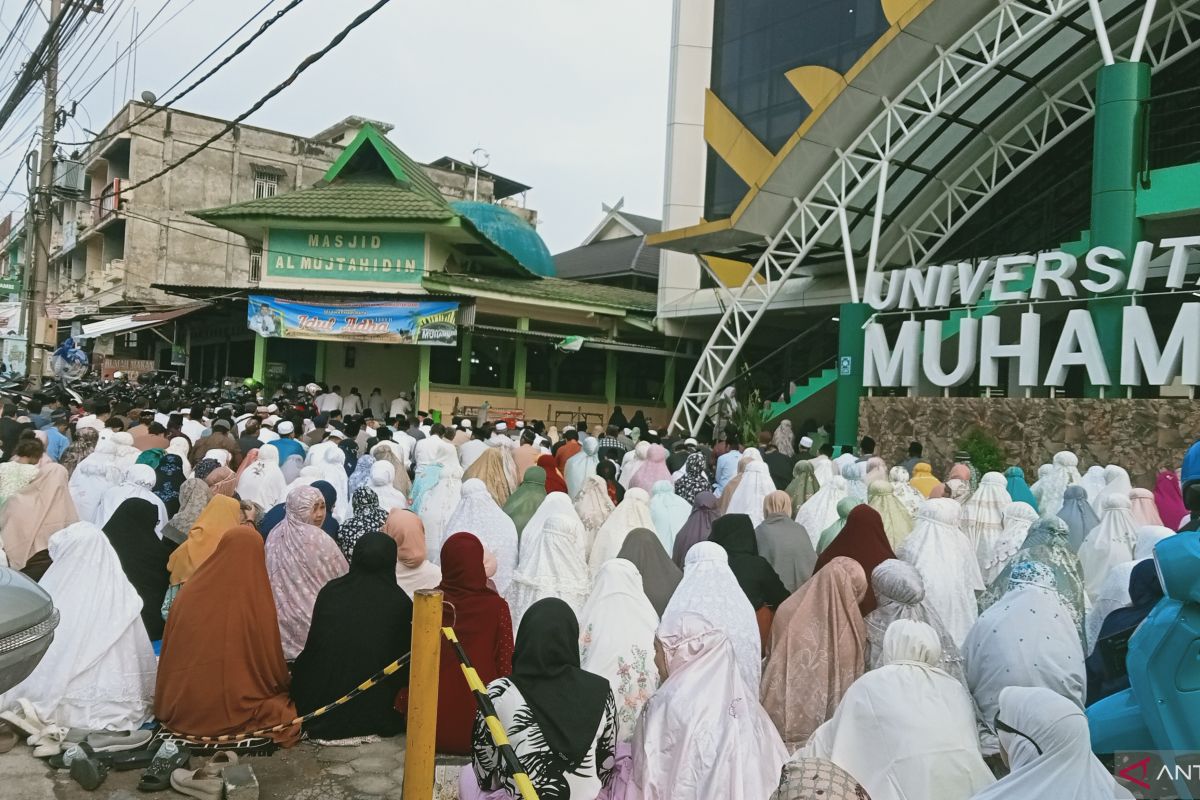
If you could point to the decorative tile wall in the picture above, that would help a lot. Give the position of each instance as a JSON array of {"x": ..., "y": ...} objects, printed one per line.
[{"x": 1140, "y": 435}]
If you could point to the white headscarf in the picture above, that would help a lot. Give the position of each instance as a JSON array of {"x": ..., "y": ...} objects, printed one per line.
[
  {"x": 262, "y": 482},
  {"x": 333, "y": 470},
  {"x": 855, "y": 472},
  {"x": 382, "y": 475},
  {"x": 555, "y": 504},
  {"x": 179, "y": 447},
  {"x": 1093, "y": 483},
  {"x": 594, "y": 506},
  {"x": 438, "y": 506},
  {"x": 820, "y": 510},
  {"x": 982, "y": 520},
  {"x": 95, "y": 475},
  {"x": 632, "y": 462},
  {"x": 1114, "y": 592},
  {"x": 1110, "y": 543},
  {"x": 748, "y": 499},
  {"x": 1065, "y": 769},
  {"x": 703, "y": 734},
  {"x": 581, "y": 465},
  {"x": 555, "y": 568},
  {"x": 709, "y": 589},
  {"x": 616, "y": 640},
  {"x": 1062, "y": 472},
  {"x": 100, "y": 669},
  {"x": 897, "y": 754},
  {"x": 127, "y": 454},
  {"x": 905, "y": 492},
  {"x": 139, "y": 481},
  {"x": 998, "y": 649},
  {"x": 306, "y": 477},
  {"x": 1018, "y": 517},
  {"x": 478, "y": 514},
  {"x": 946, "y": 561},
  {"x": 1116, "y": 482},
  {"x": 633, "y": 512},
  {"x": 669, "y": 511}
]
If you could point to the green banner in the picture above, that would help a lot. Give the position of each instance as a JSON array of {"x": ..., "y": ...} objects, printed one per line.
[
  {"x": 10, "y": 284},
  {"x": 350, "y": 255}
]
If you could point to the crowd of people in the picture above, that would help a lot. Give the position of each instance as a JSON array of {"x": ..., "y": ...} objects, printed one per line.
[{"x": 653, "y": 617}]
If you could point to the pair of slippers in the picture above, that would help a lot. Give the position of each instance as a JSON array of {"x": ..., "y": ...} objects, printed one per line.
[{"x": 90, "y": 760}]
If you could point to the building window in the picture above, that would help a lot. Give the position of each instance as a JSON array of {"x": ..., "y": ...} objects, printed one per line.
[
  {"x": 256, "y": 263},
  {"x": 492, "y": 362},
  {"x": 266, "y": 184},
  {"x": 559, "y": 372},
  {"x": 641, "y": 376}
]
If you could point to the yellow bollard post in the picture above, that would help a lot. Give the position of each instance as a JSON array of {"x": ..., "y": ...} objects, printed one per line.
[{"x": 423, "y": 695}]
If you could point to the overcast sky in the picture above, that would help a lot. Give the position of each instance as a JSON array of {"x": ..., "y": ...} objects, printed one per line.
[{"x": 568, "y": 96}]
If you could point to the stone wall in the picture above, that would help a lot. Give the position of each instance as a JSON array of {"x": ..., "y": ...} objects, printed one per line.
[{"x": 1140, "y": 435}]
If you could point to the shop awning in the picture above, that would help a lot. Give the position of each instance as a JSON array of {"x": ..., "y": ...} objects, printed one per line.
[{"x": 134, "y": 322}]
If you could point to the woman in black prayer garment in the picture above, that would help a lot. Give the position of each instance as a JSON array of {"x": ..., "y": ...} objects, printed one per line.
[
  {"x": 143, "y": 556},
  {"x": 361, "y": 622},
  {"x": 560, "y": 719}
]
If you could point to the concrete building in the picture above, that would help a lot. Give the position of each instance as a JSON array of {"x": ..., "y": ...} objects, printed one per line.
[
  {"x": 111, "y": 243},
  {"x": 12, "y": 272}
]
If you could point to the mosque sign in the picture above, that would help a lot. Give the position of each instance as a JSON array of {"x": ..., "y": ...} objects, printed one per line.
[
  {"x": 344, "y": 255},
  {"x": 1032, "y": 279}
]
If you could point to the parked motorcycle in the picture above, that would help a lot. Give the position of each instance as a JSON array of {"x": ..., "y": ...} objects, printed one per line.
[{"x": 1161, "y": 709}]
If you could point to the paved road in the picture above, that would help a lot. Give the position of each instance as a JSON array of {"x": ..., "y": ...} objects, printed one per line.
[{"x": 305, "y": 772}]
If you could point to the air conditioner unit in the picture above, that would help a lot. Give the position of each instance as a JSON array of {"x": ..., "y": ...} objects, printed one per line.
[{"x": 68, "y": 176}]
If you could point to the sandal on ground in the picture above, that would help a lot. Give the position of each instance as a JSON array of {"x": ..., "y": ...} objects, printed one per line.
[
  {"x": 170, "y": 757},
  {"x": 204, "y": 784},
  {"x": 9, "y": 736},
  {"x": 78, "y": 750},
  {"x": 49, "y": 742},
  {"x": 114, "y": 742},
  {"x": 26, "y": 725},
  {"x": 131, "y": 759},
  {"x": 88, "y": 772}
]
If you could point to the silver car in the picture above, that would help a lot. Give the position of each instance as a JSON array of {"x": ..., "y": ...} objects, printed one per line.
[{"x": 27, "y": 622}]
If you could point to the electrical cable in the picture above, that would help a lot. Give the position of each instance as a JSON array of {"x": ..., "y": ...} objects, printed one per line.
[
  {"x": 137, "y": 37},
  {"x": 237, "y": 51},
  {"x": 296, "y": 73},
  {"x": 95, "y": 47},
  {"x": 57, "y": 34}
]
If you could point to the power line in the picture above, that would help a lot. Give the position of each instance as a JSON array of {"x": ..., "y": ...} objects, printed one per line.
[
  {"x": 57, "y": 34},
  {"x": 95, "y": 47},
  {"x": 132, "y": 43},
  {"x": 296, "y": 73},
  {"x": 237, "y": 51}
]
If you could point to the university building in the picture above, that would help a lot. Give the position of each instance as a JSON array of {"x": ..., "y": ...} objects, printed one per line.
[{"x": 987, "y": 205}]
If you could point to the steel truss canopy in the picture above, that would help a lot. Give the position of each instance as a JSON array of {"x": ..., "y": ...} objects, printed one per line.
[{"x": 928, "y": 127}]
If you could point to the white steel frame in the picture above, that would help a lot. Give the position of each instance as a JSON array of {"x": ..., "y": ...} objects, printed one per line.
[{"x": 864, "y": 167}]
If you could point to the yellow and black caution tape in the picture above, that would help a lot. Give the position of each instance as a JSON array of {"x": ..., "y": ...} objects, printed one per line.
[
  {"x": 520, "y": 777},
  {"x": 370, "y": 682}
]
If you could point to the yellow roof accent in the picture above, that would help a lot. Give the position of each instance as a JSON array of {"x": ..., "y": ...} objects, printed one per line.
[
  {"x": 899, "y": 13},
  {"x": 699, "y": 229},
  {"x": 897, "y": 10},
  {"x": 815, "y": 83},
  {"x": 732, "y": 140}
]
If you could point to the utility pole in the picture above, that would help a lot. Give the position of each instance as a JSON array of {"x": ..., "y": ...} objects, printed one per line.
[{"x": 39, "y": 329}]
